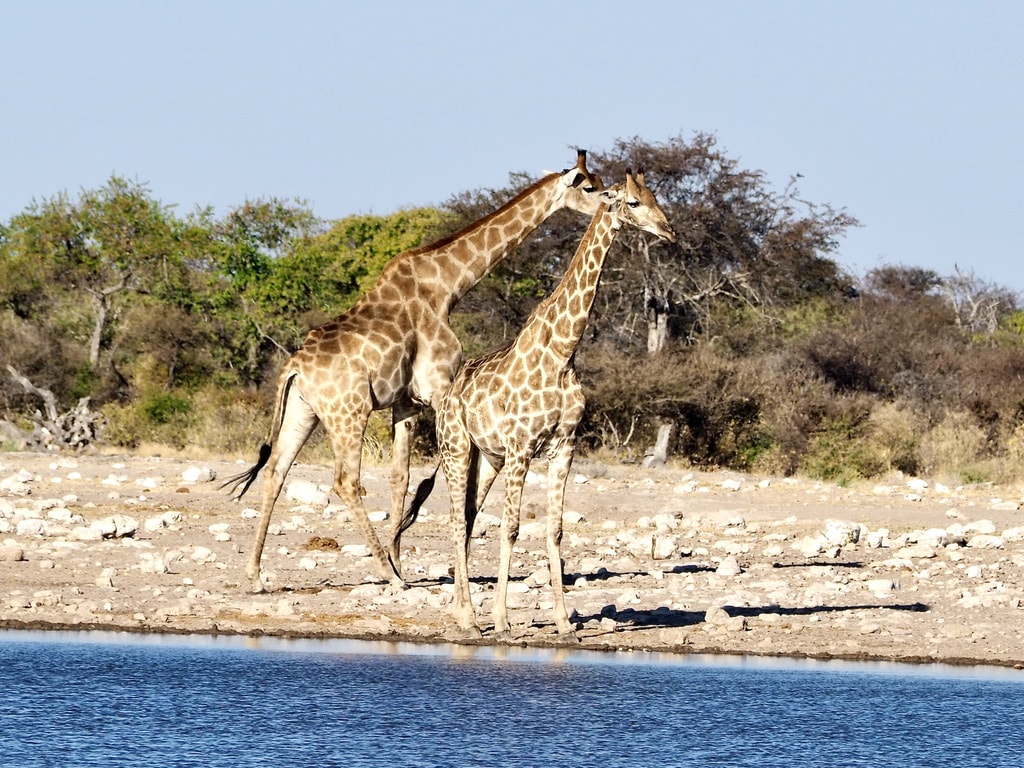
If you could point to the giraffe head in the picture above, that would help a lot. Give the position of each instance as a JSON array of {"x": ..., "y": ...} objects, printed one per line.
[
  {"x": 634, "y": 204},
  {"x": 580, "y": 189}
]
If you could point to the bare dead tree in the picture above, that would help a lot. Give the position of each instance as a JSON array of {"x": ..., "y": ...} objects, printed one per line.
[{"x": 53, "y": 430}]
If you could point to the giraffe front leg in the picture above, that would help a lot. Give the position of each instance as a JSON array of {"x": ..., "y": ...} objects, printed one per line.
[
  {"x": 456, "y": 462},
  {"x": 404, "y": 423},
  {"x": 558, "y": 472},
  {"x": 346, "y": 485},
  {"x": 515, "y": 476}
]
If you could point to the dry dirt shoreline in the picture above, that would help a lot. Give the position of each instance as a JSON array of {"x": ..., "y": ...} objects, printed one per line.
[{"x": 663, "y": 559}]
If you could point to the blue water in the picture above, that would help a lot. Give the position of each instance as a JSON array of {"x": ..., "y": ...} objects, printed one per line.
[{"x": 109, "y": 700}]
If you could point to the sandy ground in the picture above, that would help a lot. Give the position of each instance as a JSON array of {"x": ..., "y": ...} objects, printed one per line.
[{"x": 656, "y": 559}]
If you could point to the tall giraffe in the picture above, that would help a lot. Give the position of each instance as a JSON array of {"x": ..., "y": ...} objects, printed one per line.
[
  {"x": 504, "y": 408},
  {"x": 394, "y": 348}
]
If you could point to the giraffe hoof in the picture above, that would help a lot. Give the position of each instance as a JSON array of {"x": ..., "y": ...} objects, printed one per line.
[
  {"x": 567, "y": 637},
  {"x": 505, "y": 636}
]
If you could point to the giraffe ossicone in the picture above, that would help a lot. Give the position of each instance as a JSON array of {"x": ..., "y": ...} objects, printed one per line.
[
  {"x": 393, "y": 349},
  {"x": 504, "y": 408}
]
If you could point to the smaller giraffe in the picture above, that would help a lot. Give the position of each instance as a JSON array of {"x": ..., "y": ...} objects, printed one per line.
[{"x": 502, "y": 409}]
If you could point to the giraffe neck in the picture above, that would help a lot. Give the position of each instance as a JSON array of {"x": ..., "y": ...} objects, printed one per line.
[
  {"x": 450, "y": 267},
  {"x": 560, "y": 320}
]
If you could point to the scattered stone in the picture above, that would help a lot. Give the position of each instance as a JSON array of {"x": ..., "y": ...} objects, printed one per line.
[
  {"x": 11, "y": 554},
  {"x": 202, "y": 555},
  {"x": 841, "y": 532},
  {"x": 198, "y": 475},
  {"x": 663, "y": 547},
  {"x": 916, "y": 552},
  {"x": 729, "y": 567},
  {"x": 356, "y": 550},
  {"x": 880, "y": 586},
  {"x": 306, "y": 492},
  {"x": 985, "y": 541},
  {"x": 116, "y": 526}
]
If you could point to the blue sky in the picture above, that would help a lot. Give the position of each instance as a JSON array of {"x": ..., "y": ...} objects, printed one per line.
[{"x": 910, "y": 115}]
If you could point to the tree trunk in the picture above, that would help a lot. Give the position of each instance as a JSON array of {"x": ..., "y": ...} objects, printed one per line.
[
  {"x": 102, "y": 298},
  {"x": 657, "y": 332}
]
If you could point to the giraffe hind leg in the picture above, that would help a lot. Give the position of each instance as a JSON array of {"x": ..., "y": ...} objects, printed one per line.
[{"x": 297, "y": 424}]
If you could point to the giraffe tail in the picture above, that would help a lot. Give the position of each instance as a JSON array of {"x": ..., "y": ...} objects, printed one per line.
[
  {"x": 418, "y": 500},
  {"x": 246, "y": 478}
]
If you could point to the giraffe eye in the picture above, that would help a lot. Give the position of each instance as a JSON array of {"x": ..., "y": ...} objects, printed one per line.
[{"x": 633, "y": 203}]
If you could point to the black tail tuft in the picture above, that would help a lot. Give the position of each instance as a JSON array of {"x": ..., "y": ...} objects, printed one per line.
[
  {"x": 418, "y": 500},
  {"x": 246, "y": 478}
]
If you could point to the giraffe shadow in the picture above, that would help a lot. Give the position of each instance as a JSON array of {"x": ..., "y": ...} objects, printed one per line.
[{"x": 663, "y": 617}]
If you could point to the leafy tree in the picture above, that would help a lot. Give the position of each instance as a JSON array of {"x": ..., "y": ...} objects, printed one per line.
[{"x": 741, "y": 244}]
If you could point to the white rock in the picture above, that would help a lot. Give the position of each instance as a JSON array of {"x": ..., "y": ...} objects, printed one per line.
[
  {"x": 918, "y": 551},
  {"x": 356, "y": 550},
  {"x": 1013, "y": 534},
  {"x": 729, "y": 567},
  {"x": 985, "y": 541},
  {"x": 11, "y": 554},
  {"x": 154, "y": 524},
  {"x": 880, "y": 586},
  {"x": 536, "y": 530},
  {"x": 539, "y": 578},
  {"x": 664, "y": 547},
  {"x": 917, "y": 485},
  {"x": 415, "y": 596},
  {"x": 32, "y": 526},
  {"x": 808, "y": 546},
  {"x": 935, "y": 537},
  {"x": 198, "y": 474},
  {"x": 579, "y": 479},
  {"x": 106, "y": 577},
  {"x": 367, "y": 590},
  {"x": 732, "y": 485},
  {"x": 979, "y": 526},
  {"x": 15, "y": 487},
  {"x": 438, "y": 571},
  {"x": 116, "y": 526},
  {"x": 485, "y": 520},
  {"x": 641, "y": 545},
  {"x": 841, "y": 532},
  {"x": 86, "y": 533},
  {"x": 306, "y": 492},
  {"x": 878, "y": 539},
  {"x": 150, "y": 563},
  {"x": 1004, "y": 506},
  {"x": 63, "y": 514},
  {"x": 202, "y": 555},
  {"x": 307, "y": 563}
]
